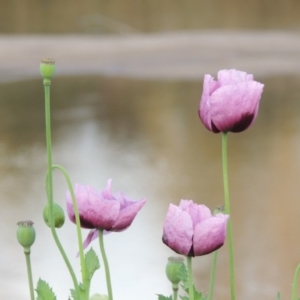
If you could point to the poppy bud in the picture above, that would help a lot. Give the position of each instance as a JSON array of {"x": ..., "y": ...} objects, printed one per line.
[
  {"x": 172, "y": 269},
  {"x": 58, "y": 215},
  {"x": 26, "y": 234},
  {"x": 47, "y": 68}
]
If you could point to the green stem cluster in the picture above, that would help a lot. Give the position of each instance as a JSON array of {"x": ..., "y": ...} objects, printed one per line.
[
  {"x": 227, "y": 211},
  {"x": 49, "y": 189}
]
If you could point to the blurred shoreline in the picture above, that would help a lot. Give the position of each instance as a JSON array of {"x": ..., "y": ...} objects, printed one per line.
[{"x": 182, "y": 55}]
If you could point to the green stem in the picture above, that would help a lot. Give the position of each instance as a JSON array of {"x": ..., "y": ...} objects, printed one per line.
[
  {"x": 213, "y": 276},
  {"x": 175, "y": 291},
  {"x": 106, "y": 266},
  {"x": 29, "y": 273},
  {"x": 295, "y": 283},
  {"x": 227, "y": 211},
  {"x": 50, "y": 182},
  {"x": 190, "y": 276},
  {"x": 77, "y": 219}
]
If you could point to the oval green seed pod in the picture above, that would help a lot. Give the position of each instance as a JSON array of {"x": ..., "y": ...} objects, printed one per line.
[
  {"x": 172, "y": 269},
  {"x": 47, "y": 68},
  {"x": 58, "y": 213},
  {"x": 26, "y": 234}
]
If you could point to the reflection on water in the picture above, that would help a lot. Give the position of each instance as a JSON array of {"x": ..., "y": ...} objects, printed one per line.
[{"x": 146, "y": 136}]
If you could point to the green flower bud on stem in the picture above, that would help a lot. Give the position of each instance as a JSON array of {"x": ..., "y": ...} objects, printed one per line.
[
  {"x": 47, "y": 68},
  {"x": 58, "y": 215},
  {"x": 26, "y": 234}
]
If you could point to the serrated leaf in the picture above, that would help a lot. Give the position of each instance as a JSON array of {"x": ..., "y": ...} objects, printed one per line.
[
  {"x": 44, "y": 291},
  {"x": 91, "y": 263},
  {"x": 162, "y": 297},
  {"x": 198, "y": 295},
  {"x": 82, "y": 292},
  {"x": 183, "y": 276}
]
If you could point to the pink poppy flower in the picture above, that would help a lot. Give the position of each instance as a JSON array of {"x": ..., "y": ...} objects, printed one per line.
[
  {"x": 230, "y": 103},
  {"x": 102, "y": 210},
  {"x": 190, "y": 229}
]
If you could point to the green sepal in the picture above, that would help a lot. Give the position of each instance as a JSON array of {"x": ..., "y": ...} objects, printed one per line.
[
  {"x": 162, "y": 297},
  {"x": 44, "y": 292}
]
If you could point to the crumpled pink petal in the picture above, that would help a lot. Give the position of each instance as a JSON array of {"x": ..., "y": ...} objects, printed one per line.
[{"x": 102, "y": 210}]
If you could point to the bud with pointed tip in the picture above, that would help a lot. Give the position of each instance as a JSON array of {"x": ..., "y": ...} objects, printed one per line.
[
  {"x": 58, "y": 214},
  {"x": 26, "y": 234},
  {"x": 47, "y": 68}
]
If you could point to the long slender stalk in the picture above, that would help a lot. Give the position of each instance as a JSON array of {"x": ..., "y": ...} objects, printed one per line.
[
  {"x": 106, "y": 266},
  {"x": 29, "y": 274},
  {"x": 227, "y": 211},
  {"x": 50, "y": 182},
  {"x": 212, "y": 276},
  {"x": 77, "y": 219},
  {"x": 190, "y": 276},
  {"x": 175, "y": 292},
  {"x": 295, "y": 283}
]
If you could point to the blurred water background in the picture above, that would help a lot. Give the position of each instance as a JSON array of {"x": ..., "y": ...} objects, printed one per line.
[{"x": 143, "y": 131}]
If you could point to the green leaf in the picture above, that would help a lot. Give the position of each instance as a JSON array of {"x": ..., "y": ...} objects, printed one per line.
[
  {"x": 162, "y": 297},
  {"x": 91, "y": 263},
  {"x": 183, "y": 276},
  {"x": 44, "y": 291},
  {"x": 82, "y": 292}
]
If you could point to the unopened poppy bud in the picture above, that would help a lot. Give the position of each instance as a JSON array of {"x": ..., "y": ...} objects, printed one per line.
[
  {"x": 58, "y": 215},
  {"x": 47, "y": 68},
  {"x": 172, "y": 269},
  {"x": 26, "y": 234}
]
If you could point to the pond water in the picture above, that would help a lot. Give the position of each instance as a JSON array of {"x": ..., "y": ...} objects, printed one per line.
[{"x": 147, "y": 137}]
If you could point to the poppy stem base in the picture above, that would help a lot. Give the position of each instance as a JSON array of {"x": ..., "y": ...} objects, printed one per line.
[
  {"x": 106, "y": 266},
  {"x": 190, "y": 276}
]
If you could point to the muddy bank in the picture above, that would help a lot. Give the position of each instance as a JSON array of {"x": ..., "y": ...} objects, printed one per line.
[{"x": 176, "y": 55}]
